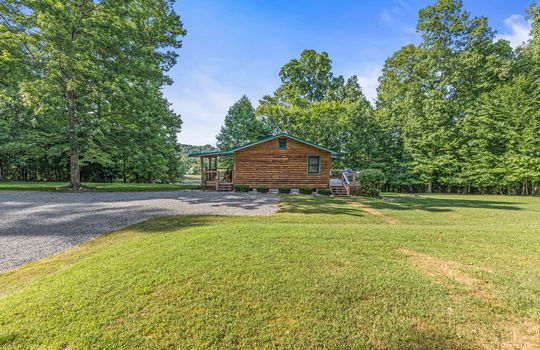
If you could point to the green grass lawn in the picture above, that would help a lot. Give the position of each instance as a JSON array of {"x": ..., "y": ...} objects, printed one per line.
[
  {"x": 189, "y": 183},
  {"x": 423, "y": 272}
]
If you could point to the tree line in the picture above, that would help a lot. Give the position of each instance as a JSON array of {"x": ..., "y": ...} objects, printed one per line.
[
  {"x": 459, "y": 112},
  {"x": 80, "y": 90},
  {"x": 81, "y": 82}
]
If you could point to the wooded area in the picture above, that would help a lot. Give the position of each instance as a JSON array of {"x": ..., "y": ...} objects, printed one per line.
[
  {"x": 460, "y": 112},
  {"x": 81, "y": 99},
  {"x": 80, "y": 88}
]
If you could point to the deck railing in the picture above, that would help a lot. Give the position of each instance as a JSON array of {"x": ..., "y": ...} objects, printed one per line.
[
  {"x": 212, "y": 177},
  {"x": 347, "y": 179}
]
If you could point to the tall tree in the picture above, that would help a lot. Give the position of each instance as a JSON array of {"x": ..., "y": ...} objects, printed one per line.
[
  {"x": 83, "y": 50},
  {"x": 318, "y": 106},
  {"x": 426, "y": 90},
  {"x": 241, "y": 126}
]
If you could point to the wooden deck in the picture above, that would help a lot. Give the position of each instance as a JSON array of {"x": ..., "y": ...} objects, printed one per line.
[
  {"x": 341, "y": 183},
  {"x": 344, "y": 183},
  {"x": 217, "y": 180}
]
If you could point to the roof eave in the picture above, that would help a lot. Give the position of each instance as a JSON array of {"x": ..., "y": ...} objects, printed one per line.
[
  {"x": 231, "y": 151},
  {"x": 215, "y": 153},
  {"x": 332, "y": 153}
]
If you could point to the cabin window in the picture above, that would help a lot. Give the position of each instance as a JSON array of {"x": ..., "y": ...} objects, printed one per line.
[
  {"x": 282, "y": 143},
  {"x": 314, "y": 165}
]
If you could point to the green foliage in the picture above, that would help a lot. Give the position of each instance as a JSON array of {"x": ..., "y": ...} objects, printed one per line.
[
  {"x": 241, "y": 126},
  {"x": 262, "y": 189},
  {"x": 97, "y": 186},
  {"x": 324, "y": 191},
  {"x": 307, "y": 190},
  {"x": 241, "y": 188},
  {"x": 284, "y": 190},
  {"x": 193, "y": 164},
  {"x": 454, "y": 108},
  {"x": 457, "y": 113},
  {"x": 315, "y": 105},
  {"x": 83, "y": 97},
  {"x": 371, "y": 181}
]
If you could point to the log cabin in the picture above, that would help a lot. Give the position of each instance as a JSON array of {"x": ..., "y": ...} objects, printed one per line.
[{"x": 279, "y": 161}]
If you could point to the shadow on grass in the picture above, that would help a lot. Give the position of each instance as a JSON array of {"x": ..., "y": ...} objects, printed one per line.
[
  {"x": 422, "y": 334},
  {"x": 431, "y": 204},
  {"x": 298, "y": 204},
  {"x": 430, "y": 338},
  {"x": 175, "y": 223},
  {"x": 341, "y": 206}
]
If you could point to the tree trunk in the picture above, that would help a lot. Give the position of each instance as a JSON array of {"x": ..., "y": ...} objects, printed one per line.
[
  {"x": 429, "y": 189},
  {"x": 124, "y": 170},
  {"x": 75, "y": 174}
]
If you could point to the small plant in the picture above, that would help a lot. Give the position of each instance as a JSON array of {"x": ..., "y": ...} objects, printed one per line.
[
  {"x": 324, "y": 191},
  {"x": 262, "y": 189},
  {"x": 241, "y": 188},
  {"x": 371, "y": 181},
  {"x": 284, "y": 190},
  {"x": 306, "y": 190}
]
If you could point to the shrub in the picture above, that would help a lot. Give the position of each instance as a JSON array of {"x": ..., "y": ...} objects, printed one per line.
[
  {"x": 306, "y": 190},
  {"x": 324, "y": 191},
  {"x": 241, "y": 188},
  {"x": 284, "y": 190},
  {"x": 371, "y": 181},
  {"x": 262, "y": 189}
]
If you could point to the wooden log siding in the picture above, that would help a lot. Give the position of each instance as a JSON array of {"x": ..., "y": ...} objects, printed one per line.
[{"x": 265, "y": 165}]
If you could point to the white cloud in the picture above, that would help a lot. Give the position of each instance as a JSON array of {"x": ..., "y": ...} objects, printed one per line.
[
  {"x": 385, "y": 16},
  {"x": 394, "y": 16},
  {"x": 389, "y": 14},
  {"x": 402, "y": 3},
  {"x": 519, "y": 30},
  {"x": 203, "y": 106},
  {"x": 369, "y": 81}
]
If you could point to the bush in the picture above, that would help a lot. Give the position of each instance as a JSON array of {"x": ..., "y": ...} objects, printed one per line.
[
  {"x": 262, "y": 189},
  {"x": 371, "y": 181},
  {"x": 324, "y": 191},
  {"x": 307, "y": 190},
  {"x": 241, "y": 188},
  {"x": 284, "y": 190}
]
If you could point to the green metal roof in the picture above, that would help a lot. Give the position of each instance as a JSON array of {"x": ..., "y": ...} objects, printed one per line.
[
  {"x": 230, "y": 152},
  {"x": 211, "y": 153}
]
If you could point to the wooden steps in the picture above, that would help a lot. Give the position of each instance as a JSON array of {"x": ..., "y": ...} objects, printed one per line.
[
  {"x": 224, "y": 187},
  {"x": 339, "y": 191}
]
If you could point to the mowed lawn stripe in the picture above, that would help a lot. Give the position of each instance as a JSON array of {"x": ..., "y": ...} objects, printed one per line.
[{"x": 319, "y": 274}]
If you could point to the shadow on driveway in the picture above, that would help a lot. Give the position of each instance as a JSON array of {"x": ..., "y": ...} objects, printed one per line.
[{"x": 37, "y": 224}]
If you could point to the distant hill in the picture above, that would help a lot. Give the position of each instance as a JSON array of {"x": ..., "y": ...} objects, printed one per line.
[{"x": 193, "y": 166}]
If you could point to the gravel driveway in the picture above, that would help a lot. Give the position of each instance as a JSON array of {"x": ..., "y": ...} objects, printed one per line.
[{"x": 38, "y": 224}]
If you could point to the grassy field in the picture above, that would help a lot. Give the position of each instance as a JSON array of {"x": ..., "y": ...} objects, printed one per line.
[
  {"x": 422, "y": 272},
  {"x": 191, "y": 181}
]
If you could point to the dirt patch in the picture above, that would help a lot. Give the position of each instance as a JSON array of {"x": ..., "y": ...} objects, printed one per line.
[
  {"x": 524, "y": 334},
  {"x": 374, "y": 212},
  {"x": 454, "y": 216},
  {"x": 441, "y": 269},
  {"x": 518, "y": 332}
]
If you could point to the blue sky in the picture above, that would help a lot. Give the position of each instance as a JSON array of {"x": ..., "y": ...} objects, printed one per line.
[{"x": 237, "y": 47}]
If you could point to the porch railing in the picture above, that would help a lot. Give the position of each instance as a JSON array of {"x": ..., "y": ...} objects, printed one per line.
[{"x": 216, "y": 176}]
